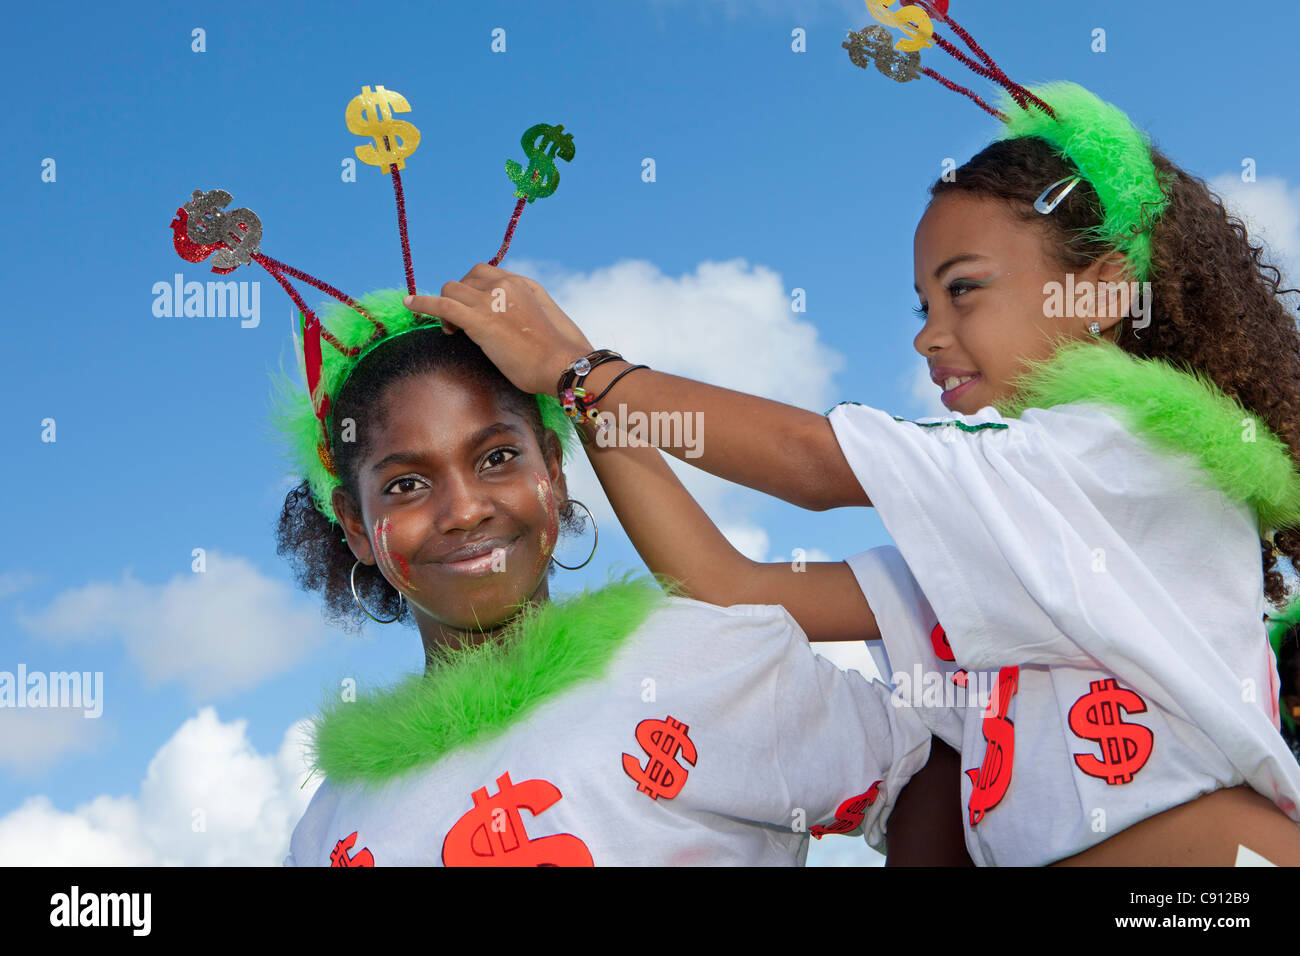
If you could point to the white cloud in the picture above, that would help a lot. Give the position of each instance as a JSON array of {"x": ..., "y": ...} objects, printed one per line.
[
  {"x": 1271, "y": 212},
  {"x": 35, "y": 738},
  {"x": 749, "y": 540},
  {"x": 726, "y": 323},
  {"x": 208, "y": 773},
  {"x": 220, "y": 631}
]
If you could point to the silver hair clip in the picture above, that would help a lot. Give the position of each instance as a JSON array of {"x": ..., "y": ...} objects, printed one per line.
[{"x": 1041, "y": 203}]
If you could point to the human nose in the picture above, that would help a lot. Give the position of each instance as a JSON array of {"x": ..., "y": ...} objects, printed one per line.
[
  {"x": 933, "y": 337},
  {"x": 463, "y": 504}
]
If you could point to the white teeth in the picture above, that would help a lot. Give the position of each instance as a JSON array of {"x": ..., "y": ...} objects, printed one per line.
[{"x": 952, "y": 382}]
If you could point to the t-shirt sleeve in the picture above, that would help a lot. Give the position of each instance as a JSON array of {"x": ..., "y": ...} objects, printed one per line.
[
  {"x": 1013, "y": 527},
  {"x": 844, "y": 751},
  {"x": 912, "y": 639}
]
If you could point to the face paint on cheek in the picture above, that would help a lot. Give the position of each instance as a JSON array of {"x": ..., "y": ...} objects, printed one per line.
[
  {"x": 391, "y": 561},
  {"x": 548, "y": 535}
]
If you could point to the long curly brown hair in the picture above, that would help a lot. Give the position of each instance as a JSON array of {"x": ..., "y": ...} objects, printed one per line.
[
  {"x": 1215, "y": 305},
  {"x": 321, "y": 560}
]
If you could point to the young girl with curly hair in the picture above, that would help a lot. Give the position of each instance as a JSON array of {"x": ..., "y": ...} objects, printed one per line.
[
  {"x": 633, "y": 726},
  {"x": 1090, "y": 537}
]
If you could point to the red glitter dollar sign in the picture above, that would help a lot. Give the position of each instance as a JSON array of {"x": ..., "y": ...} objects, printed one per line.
[
  {"x": 1125, "y": 747},
  {"x": 991, "y": 779},
  {"x": 493, "y": 834},
  {"x": 662, "y": 776}
]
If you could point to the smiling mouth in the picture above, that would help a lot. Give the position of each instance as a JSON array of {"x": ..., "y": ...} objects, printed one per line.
[
  {"x": 478, "y": 563},
  {"x": 954, "y": 386}
]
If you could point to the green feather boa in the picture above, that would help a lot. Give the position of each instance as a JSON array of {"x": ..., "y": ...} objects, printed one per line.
[
  {"x": 475, "y": 693},
  {"x": 294, "y": 418},
  {"x": 1109, "y": 151},
  {"x": 1178, "y": 411}
]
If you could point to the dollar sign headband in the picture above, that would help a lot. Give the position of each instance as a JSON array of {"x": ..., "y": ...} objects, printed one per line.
[
  {"x": 1097, "y": 138},
  {"x": 353, "y": 328}
]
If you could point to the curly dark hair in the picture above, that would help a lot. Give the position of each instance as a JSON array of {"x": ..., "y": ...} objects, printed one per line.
[
  {"x": 314, "y": 546},
  {"x": 1214, "y": 308}
]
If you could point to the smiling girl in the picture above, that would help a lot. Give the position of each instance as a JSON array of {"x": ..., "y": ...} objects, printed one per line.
[
  {"x": 1083, "y": 535},
  {"x": 634, "y": 727}
]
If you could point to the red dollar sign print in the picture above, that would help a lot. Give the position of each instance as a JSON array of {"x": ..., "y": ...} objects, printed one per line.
[
  {"x": 339, "y": 855},
  {"x": 492, "y": 834},
  {"x": 849, "y": 814},
  {"x": 662, "y": 776},
  {"x": 991, "y": 779},
  {"x": 1125, "y": 747}
]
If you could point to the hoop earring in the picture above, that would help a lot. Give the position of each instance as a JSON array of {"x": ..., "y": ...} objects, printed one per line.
[
  {"x": 401, "y": 600},
  {"x": 595, "y": 540}
]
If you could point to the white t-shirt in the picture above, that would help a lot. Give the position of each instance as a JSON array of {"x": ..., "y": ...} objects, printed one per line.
[
  {"x": 1108, "y": 584},
  {"x": 715, "y": 737}
]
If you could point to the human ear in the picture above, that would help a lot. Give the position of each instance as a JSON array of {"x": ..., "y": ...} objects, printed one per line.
[
  {"x": 353, "y": 526},
  {"x": 553, "y": 454},
  {"x": 1109, "y": 276}
]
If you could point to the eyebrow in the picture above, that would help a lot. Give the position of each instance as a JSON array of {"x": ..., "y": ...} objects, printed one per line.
[
  {"x": 480, "y": 436},
  {"x": 960, "y": 257}
]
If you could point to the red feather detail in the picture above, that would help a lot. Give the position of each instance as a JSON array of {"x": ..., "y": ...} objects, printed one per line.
[{"x": 311, "y": 350}]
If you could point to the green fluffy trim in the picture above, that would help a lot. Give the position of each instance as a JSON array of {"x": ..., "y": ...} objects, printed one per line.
[
  {"x": 1175, "y": 410},
  {"x": 292, "y": 414},
  {"x": 1109, "y": 151},
  {"x": 475, "y": 693}
]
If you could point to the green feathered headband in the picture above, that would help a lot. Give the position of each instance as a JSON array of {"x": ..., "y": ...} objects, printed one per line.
[
  {"x": 295, "y": 416},
  {"x": 1096, "y": 137},
  {"x": 330, "y": 346},
  {"x": 1110, "y": 153}
]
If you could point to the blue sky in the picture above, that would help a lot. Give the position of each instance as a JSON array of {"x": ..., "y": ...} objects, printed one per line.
[{"x": 775, "y": 170}]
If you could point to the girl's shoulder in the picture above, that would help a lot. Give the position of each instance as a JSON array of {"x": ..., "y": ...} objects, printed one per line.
[{"x": 684, "y": 613}]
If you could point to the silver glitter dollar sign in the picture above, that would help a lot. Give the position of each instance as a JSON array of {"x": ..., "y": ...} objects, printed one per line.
[
  {"x": 874, "y": 44},
  {"x": 208, "y": 223}
]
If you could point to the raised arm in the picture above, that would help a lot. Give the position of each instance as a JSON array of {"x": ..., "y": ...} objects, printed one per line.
[
  {"x": 675, "y": 537},
  {"x": 775, "y": 448}
]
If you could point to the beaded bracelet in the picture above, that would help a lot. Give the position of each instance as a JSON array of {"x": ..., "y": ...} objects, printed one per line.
[
  {"x": 582, "y": 367},
  {"x": 570, "y": 391},
  {"x": 584, "y": 408}
]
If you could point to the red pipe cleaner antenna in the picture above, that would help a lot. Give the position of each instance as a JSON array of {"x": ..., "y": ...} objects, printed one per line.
[
  {"x": 989, "y": 69},
  {"x": 510, "y": 228}
]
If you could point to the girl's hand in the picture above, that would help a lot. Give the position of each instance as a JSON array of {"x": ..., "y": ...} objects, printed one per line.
[{"x": 525, "y": 334}]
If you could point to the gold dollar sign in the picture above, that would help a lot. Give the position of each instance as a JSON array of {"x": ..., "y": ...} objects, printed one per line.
[
  {"x": 371, "y": 114},
  {"x": 913, "y": 21}
]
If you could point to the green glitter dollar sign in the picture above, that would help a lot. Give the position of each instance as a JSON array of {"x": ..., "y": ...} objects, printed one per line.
[{"x": 542, "y": 143}]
